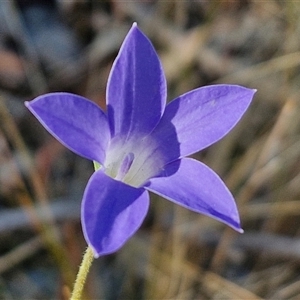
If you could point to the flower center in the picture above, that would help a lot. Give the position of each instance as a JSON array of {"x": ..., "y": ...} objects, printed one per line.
[
  {"x": 133, "y": 162},
  {"x": 125, "y": 166}
]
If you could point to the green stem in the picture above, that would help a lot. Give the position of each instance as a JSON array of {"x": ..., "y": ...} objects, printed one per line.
[
  {"x": 82, "y": 274},
  {"x": 85, "y": 264},
  {"x": 97, "y": 166}
]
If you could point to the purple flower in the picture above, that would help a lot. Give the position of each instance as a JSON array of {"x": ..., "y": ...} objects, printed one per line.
[{"x": 141, "y": 144}]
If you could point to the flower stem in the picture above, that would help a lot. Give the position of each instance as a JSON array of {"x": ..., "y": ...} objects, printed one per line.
[{"x": 82, "y": 274}]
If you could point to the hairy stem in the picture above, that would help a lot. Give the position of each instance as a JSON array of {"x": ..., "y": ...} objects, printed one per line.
[{"x": 82, "y": 274}]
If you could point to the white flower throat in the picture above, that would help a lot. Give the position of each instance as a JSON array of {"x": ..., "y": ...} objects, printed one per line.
[
  {"x": 133, "y": 162},
  {"x": 125, "y": 166}
]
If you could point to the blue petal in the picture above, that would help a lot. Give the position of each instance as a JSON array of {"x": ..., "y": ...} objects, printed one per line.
[
  {"x": 193, "y": 185},
  {"x": 136, "y": 89},
  {"x": 200, "y": 118},
  {"x": 111, "y": 212},
  {"x": 76, "y": 122}
]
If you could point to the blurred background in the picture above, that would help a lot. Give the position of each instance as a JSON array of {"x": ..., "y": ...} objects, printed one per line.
[{"x": 177, "y": 254}]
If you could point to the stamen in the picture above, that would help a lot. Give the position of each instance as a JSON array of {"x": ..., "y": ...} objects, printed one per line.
[{"x": 125, "y": 166}]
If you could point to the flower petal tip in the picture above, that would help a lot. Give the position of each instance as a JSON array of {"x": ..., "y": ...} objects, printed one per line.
[
  {"x": 233, "y": 224},
  {"x": 236, "y": 227},
  {"x": 241, "y": 230},
  {"x": 28, "y": 104},
  {"x": 96, "y": 254}
]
